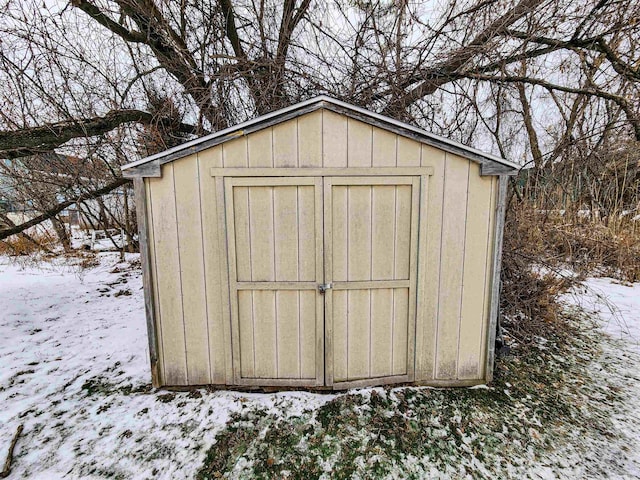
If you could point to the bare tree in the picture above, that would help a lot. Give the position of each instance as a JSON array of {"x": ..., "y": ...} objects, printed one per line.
[{"x": 108, "y": 81}]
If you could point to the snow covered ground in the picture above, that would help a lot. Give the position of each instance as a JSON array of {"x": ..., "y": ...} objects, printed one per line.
[
  {"x": 73, "y": 348},
  {"x": 74, "y": 370}
]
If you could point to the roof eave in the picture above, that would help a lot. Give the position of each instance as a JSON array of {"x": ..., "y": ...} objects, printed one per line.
[{"x": 491, "y": 165}]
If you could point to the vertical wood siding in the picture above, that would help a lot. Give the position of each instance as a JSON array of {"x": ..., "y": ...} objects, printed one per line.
[
  {"x": 371, "y": 233},
  {"x": 189, "y": 265}
]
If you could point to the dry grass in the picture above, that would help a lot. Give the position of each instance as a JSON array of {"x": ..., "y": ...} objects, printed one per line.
[
  {"x": 545, "y": 254},
  {"x": 23, "y": 245}
]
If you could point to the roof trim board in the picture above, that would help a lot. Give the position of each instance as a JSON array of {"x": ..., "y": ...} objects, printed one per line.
[{"x": 150, "y": 166}]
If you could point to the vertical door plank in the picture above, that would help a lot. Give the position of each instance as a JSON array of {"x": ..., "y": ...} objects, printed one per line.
[
  {"x": 409, "y": 152},
  {"x": 306, "y": 248},
  {"x": 234, "y": 153},
  {"x": 340, "y": 335},
  {"x": 168, "y": 273},
  {"x": 310, "y": 140},
  {"x": 325, "y": 262},
  {"x": 334, "y": 139},
  {"x": 475, "y": 264},
  {"x": 413, "y": 274},
  {"x": 381, "y": 332},
  {"x": 288, "y": 333},
  {"x": 246, "y": 333},
  {"x": 403, "y": 216},
  {"x": 285, "y": 144},
  {"x": 452, "y": 264},
  {"x": 359, "y": 268},
  {"x": 285, "y": 206},
  {"x": 259, "y": 146},
  {"x": 213, "y": 260},
  {"x": 400, "y": 330},
  {"x": 383, "y": 220},
  {"x": 285, "y": 231},
  {"x": 265, "y": 333},
  {"x": 192, "y": 273},
  {"x": 384, "y": 148},
  {"x": 307, "y": 318},
  {"x": 339, "y": 226},
  {"x": 359, "y": 136},
  {"x": 359, "y": 333},
  {"x": 432, "y": 205},
  {"x": 241, "y": 220},
  {"x": 262, "y": 234},
  {"x": 321, "y": 325},
  {"x": 359, "y": 232}
]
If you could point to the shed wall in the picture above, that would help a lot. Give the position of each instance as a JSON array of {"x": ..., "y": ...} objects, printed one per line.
[{"x": 189, "y": 277}]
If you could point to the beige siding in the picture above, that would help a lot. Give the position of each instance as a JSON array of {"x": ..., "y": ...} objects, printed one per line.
[
  {"x": 192, "y": 275},
  {"x": 273, "y": 224},
  {"x": 476, "y": 262},
  {"x": 189, "y": 262},
  {"x": 310, "y": 140},
  {"x": 214, "y": 267},
  {"x": 154, "y": 281},
  {"x": 169, "y": 287},
  {"x": 370, "y": 244}
]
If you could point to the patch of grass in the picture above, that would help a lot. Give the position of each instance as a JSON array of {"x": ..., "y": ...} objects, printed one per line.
[
  {"x": 102, "y": 386},
  {"x": 539, "y": 393}
]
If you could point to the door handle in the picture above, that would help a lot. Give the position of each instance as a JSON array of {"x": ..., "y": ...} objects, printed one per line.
[{"x": 323, "y": 287}]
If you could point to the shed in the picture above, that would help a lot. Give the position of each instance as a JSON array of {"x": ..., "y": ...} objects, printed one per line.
[{"x": 321, "y": 245}]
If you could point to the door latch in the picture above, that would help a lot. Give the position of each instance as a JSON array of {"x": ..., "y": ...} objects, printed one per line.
[{"x": 323, "y": 287}]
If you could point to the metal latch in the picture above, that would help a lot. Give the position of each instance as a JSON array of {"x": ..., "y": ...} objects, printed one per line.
[{"x": 323, "y": 287}]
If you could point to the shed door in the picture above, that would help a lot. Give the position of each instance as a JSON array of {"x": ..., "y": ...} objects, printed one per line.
[
  {"x": 274, "y": 228},
  {"x": 370, "y": 260}
]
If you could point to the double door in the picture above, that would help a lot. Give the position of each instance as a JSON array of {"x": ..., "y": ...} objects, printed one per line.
[{"x": 322, "y": 279}]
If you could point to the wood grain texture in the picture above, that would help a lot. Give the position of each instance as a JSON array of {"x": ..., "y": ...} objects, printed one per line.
[
  {"x": 285, "y": 144},
  {"x": 488, "y": 280},
  {"x": 278, "y": 242},
  {"x": 431, "y": 202},
  {"x": 409, "y": 152},
  {"x": 334, "y": 140},
  {"x": 146, "y": 260},
  {"x": 475, "y": 264},
  {"x": 372, "y": 223},
  {"x": 214, "y": 260},
  {"x": 279, "y": 315},
  {"x": 260, "y": 149},
  {"x": 310, "y": 140},
  {"x": 495, "y": 278},
  {"x": 168, "y": 274},
  {"x": 452, "y": 265},
  {"x": 235, "y": 153},
  {"x": 192, "y": 275},
  {"x": 384, "y": 148},
  {"x": 359, "y": 147}
]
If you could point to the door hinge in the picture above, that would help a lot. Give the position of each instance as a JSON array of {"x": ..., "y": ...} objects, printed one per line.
[{"x": 323, "y": 287}]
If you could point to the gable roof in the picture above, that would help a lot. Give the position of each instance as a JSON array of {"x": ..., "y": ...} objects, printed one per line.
[{"x": 149, "y": 166}]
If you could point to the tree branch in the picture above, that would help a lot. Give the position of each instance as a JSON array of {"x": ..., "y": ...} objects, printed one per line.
[
  {"x": 433, "y": 78},
  {"x": 617, "y": 99},
  {"x": 12, "y": 230},
  {"x": 30, "y": 141}
]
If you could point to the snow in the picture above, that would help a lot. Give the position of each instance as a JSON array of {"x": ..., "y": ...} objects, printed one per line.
[
  {"x": 63, "y": 328},
  {"x": 74, "y": 370},
  {"x": 616, "y": 304},
  {"x": 616, "y": 307}
]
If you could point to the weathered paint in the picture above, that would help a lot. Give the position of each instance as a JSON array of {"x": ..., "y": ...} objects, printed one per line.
[{"x": 450, "y": 300}]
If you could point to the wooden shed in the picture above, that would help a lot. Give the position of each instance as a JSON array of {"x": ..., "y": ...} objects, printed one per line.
[{"x": 324, "y": 246}]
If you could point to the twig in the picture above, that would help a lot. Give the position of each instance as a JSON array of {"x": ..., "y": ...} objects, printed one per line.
[{"x": 7, "y": 464}]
